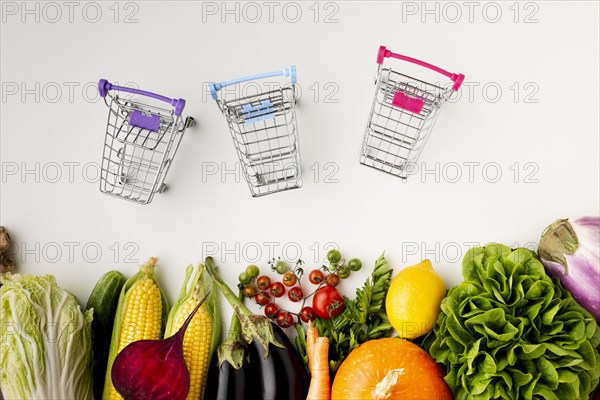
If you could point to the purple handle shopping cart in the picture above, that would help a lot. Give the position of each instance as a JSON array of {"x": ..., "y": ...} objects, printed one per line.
[{"x": 140, "y": 143}]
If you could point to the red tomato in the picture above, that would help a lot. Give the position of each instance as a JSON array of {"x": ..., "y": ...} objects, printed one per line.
[
  {"x": 262, "y": 299},
  {"x": 327, "y": 302},
  {"x": 316, "y": 276},
  {"x": 263, "y": 283},
  {"x": 307, "y": 314},
  {"x": 284, "y": 319},
  {"x": 277, "y": 289},
  {"x": 289, "y": 279},
  {"x": 332, "y": 280},
  {"x": 295, "y": 294},
  {"x": 271, "y": 310}
]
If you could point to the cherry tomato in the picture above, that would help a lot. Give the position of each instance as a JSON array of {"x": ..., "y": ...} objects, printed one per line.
[
  {"x": 244, "y": 278},
  {"x": 249, "y": 290},
  {"x": 307, "y": 314},
  {"x": 355, "y": 264},
  {"x": 262, "y": 299},
  {"x": 343, "y": 272},
  {"x": 332, "y": 280},
  {"x": 289, "y": 279},
  {"x": 327, "y": 302},
  {"x": 271, "y": 310},
  {"x": 295, "y": 294},
  {"x": 252, "y": 271},
  {"x": 334, "y": 256},
  {"x": 263, "y": 283},
  {"x": 277, "y": 289},
  {"x": 316, "y": 276},
  {"x": 284, "y": 319},
  {"x": 281, "y": 267}
]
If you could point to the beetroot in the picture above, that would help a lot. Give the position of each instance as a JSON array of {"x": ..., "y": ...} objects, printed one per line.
[{"x": 154, "y": 369}]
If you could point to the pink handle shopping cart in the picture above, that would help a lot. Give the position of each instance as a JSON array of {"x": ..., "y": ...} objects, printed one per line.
[{"x": 402, "y": 115}]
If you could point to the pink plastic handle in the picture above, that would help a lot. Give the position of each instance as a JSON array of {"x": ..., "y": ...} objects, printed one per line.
[{"x": 385, "y": 53}]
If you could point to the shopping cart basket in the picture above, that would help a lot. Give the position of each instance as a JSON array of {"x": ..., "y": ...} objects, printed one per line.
[
  {"x": 265, "y": 133},
  {"x": 402, "y": 114},
  {"x": 140, "y": 143}
]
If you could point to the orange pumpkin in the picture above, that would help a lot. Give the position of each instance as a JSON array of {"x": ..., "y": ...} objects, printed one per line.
[{"x": 389, "y": 369}]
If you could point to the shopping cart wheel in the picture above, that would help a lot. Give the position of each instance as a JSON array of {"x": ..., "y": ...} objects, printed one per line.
[
  {"x": 189, "y": 121},
  {"x": 163, "y": 188}
]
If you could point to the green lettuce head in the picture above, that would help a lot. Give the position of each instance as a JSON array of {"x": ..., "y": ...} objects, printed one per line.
[
  {"x": 511, "y": 332},
  {"x": 45, "y": 341}
]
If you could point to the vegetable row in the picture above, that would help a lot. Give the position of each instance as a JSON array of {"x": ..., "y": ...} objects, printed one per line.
[{"x": 522, "y": 325}]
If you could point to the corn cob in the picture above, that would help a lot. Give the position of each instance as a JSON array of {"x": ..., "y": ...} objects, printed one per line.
[
  {"x": 141, "y": 315},
  {"x": 203, "y": 334}
]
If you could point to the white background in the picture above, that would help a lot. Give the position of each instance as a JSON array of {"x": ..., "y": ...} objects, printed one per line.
[{"x": 533, "y": 100}]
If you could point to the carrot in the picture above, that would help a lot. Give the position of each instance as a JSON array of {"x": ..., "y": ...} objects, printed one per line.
[
  {"x": 319, "y": 382},
  {"x": 311, "y": 337}
]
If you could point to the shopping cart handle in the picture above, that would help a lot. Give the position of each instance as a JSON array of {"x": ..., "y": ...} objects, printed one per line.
[
  {"x": 385, "y": 53},
  {"x": 214, "y": 87},
  {"x": 104, "y": 86}
]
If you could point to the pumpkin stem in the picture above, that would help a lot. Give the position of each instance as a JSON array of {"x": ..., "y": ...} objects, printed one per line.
[{"x": 383, "y": 389}]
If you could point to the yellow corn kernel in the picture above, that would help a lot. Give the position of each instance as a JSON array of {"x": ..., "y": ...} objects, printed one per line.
[
  {"x": 142, "y": 318},
  {"x": 196, "y": 344}
]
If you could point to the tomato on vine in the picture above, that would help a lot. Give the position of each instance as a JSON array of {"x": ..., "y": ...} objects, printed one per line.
[
  {"x": 295, "y": 294},
  {"x": 290, "y": 279},
  {"x": 263, "y": 283},
  {"x": 307, "y": 314},
  {"x": 277, "y": 289},
  {"x": 262, "y": 299},
  {"x": 281, "y": 267},
  {"x": 332, "y": 280},
  {"x": 249, "y": 290},
  {"x": 334, "y": 256},
  {"x": 343, "y": 272},
  {"x": 316, "y": 276},
  {"x": 271, "y": 310},
  {"x": 284, "y": 319}
]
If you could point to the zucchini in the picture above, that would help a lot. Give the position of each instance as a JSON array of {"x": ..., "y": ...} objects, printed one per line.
[{"x": 103, "y": 299}]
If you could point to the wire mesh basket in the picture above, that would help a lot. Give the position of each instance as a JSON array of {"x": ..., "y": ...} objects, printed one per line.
[
  {"x": 265, "y": 133},
  {"x": 402, "y": 115},
  {"x": 140, "y": 143}
]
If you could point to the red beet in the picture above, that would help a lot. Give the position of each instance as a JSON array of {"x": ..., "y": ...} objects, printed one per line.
[{"x": 153, "y": 369}]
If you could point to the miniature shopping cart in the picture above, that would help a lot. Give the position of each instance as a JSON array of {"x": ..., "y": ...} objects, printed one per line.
[
  {"x": 140, "y": 143},
  {"x": 402, "y": 115},
  {"x": 265, "y": 133}
]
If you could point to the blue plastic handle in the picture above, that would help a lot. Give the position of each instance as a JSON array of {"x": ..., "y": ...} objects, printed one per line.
[{"x": 214, "y": 87}]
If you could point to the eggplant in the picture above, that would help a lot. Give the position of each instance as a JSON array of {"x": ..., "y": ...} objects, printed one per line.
[
  {"x": 282, "y": 373},
  {"x": 279, "y": 376},
  {"x": 225, "y": 382},
  {"x": 241, "y": 370}
]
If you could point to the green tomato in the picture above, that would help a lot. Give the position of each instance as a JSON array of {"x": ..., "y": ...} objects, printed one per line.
[
  {"x": 281, "y": 267},
  {"x": 334, "y": 256},
  {"x": 343, "y": 271},
  {"x": 244, "y": 278},
  {"x": 252, "y": 271},
  {"x": 355, "y": 264}
]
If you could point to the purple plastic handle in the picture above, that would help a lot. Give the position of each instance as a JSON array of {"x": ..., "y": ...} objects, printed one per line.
[
  {"x": 456, "y": 78},
  {"x": 104, "y": 86}
]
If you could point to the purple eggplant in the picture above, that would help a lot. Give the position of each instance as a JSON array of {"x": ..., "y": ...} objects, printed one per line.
[{"x": 570, "y": 250}]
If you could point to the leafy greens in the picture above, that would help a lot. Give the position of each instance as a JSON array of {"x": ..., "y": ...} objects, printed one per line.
[
  {"x": 511, "y": 332},
  {"x": 45, "y": 341}
]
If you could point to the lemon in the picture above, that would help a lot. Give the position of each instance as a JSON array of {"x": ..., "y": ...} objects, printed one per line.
[{"x": 413, "y": 300}]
